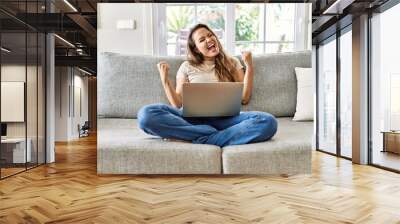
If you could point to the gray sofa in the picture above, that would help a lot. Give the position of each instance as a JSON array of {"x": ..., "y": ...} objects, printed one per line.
[{"x": 128, "y": 82}]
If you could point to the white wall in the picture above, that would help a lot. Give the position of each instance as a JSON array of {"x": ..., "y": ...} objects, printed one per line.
[
  {"x": 33, "y": 127},
  {"x": 17, "y": 73},
  {"x": 79, "y": 117},
  {"x": 68, "y": 82},
  {"x": 61, "y": 103},
  {"x": 110, "y": 39}
]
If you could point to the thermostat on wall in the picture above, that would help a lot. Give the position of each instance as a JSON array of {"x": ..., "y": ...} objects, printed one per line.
[{"x": 127, "y": 24}]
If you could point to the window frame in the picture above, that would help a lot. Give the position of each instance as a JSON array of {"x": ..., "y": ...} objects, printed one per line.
[{"x": 300, "y": 42}]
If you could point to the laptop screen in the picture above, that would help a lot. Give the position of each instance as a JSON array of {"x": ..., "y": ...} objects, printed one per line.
[{"x": 3, "y": 129}]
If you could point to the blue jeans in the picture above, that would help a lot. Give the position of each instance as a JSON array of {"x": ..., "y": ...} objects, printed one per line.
[{"x": 167, "y": 122}]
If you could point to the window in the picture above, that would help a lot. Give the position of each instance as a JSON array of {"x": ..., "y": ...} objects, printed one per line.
[
  {"x": 327, "y": 96},
  {"x": 335, "y": 94},
  {"x": 264, "y": 28},
  {"x": 385, "y": 88},
  {"x": 260, "y": 28},
  {"x": 180, "y": 17},
  {"x": 394, "y": 101},
  {"x": 346, "y": 93},
  {"x": 249, "y": 27},
  {"x": 22, "y": 65}
]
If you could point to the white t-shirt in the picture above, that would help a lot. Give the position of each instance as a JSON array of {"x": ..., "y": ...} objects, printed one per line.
[{"x": 202, "y": 73}]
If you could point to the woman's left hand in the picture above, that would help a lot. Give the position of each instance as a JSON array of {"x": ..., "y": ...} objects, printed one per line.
[{"x": 247, "y": 58}]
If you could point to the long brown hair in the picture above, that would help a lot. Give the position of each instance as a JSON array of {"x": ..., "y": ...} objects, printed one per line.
[{"x": 224, "y": 67}]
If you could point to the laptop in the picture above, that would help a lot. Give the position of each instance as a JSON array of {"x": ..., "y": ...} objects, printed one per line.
[{"x": 212, "y": 99}]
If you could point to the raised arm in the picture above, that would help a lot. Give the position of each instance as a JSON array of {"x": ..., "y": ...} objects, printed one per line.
[
  {"x": 174, "y": 96},
  {"x": 246, "y": 77}
]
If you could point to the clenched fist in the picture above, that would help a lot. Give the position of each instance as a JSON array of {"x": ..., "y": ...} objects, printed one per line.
[
  {"x": 163, "y": 69},
  {"x": 247, "y": 58}
]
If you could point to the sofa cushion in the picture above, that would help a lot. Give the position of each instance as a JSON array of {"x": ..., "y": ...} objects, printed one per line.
[
  {"x": 305, "y": 91},
  {"x": 128, "y": 82},
  {"x": 122, "y": 148},
  {"x": 288, "y": 152},
  {"x": 275, "y": 85}
]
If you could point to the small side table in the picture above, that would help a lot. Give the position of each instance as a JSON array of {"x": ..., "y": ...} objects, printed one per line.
[{"x": 391, "y": 141}]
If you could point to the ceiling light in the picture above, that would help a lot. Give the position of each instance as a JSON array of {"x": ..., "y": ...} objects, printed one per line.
[
  {"x": 5, "y": 50},
  {"x": 70, "y": 5},
  {"x": 64, "y": 40},
  {"x": 84, "y": 71},
  {"x": 79, "y": 51}
]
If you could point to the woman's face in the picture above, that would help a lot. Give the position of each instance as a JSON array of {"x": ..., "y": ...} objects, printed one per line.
[{"x": 206, "y": 43}]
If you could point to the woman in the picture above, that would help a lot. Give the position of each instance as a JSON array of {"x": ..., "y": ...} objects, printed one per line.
[{"x": 207, "y": 62}]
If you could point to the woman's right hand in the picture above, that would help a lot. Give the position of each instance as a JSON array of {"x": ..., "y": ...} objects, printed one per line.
[{"x": 163, "y": 69}]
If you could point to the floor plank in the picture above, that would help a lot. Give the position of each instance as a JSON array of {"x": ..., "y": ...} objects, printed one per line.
[
  {"x": 386, "y": 159},
  {"x": 70, "y": 191}
]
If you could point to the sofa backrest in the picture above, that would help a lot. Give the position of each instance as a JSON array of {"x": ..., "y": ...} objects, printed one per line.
[
  {"x": 275, "y": 85},
  {"x": 125, "y": 83}
]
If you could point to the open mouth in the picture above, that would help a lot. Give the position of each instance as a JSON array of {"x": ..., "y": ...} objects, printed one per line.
[{"x": 211, "y": 47}]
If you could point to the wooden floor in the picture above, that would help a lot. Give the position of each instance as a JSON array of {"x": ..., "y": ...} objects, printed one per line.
[
  {"x": 5, "y": 172},
  {"x": 387, "y": 159},
  {"x": 69, "y": 191}
]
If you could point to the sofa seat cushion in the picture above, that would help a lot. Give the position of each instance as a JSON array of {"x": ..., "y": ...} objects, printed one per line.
[
  {"x": 122, "y": 148},
  {"x": 288, "y": 152}
]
